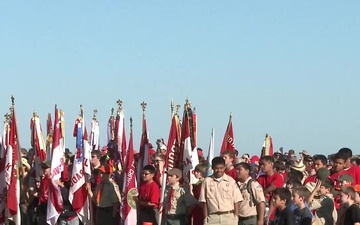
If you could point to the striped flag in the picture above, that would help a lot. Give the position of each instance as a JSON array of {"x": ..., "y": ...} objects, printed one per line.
[
  {"x": 55, "y": 201},
  {"x": 13, "y": 161},
  {"x": 129, "y": 213},
  {"x": 267, "y": 146},
  {"x": 228, "y": 141},
  {"x": 49, "y": 131},
  {"x": 37, "y": 143}
]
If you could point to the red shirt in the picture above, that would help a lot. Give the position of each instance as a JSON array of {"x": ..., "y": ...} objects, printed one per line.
[
  {"x": 283, "y": 174},
  {"x": 265, "y": 181},
  {"x": 231, "y": 173},
  {"x": 149, "y": 192},
  {"x": 310, "y": 179},
  {"x": 44, "y": 190},
  {"x": 333, "y": 176},
  {"x": 354, "y": 171}
]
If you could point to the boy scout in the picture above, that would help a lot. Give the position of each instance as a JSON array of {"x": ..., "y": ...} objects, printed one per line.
[
  {"x": 252, "y": 208},
  {"x": 178, "y": 201},
  {"x": 106, "y": 197},
  {"x": 220, "y": 196}
]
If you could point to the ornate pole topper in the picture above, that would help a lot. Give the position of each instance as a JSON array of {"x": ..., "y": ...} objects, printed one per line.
[
  {"x": 177, "y": 109},
  {"x": 120, "y": 106},
  {"x": 172, "y": 107},
  {"x": 112, "y": 125},
  {"x": 131, "y": 124},
  {"x": 94, "y": 115},
  {"x": 143, "y": 106}
]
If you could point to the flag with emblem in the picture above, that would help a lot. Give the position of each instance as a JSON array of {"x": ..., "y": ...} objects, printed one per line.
[
  {"x": 228, "y": 141},
  {"x": 129, "y": 213},
  {"x": 78, "y": 196},
  {"x": 37, "y": 143},
  {"x": 55, "y": 201},
  {"x": 13, "y": 155}
]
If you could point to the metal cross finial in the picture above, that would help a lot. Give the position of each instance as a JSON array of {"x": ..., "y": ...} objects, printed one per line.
[
  {"x": 172, "y": 106},
  {"x": 12, "y": 100},
  {"x": 131, "y": 123},
  {"x": 143, "y": 105},
  {"x": 177, "y": 109},
  {"x": 112, "y": 111},
  {"x": 120, "y": 103},
  {"x": 187, "y": 104}
]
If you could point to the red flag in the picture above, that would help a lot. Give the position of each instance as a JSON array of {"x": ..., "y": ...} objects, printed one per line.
[
  {"x": 13, "y": 199},
  {"x": 144, "y": 157},
  {"x": 129, "y": 186},
  {"x": 37, "y": 143},
  {"x": 3, "y": 172},
  {"x": 173, "y": 158},
  {"x": 228, "y": 141},
  {"x": 55, "y": 201}
]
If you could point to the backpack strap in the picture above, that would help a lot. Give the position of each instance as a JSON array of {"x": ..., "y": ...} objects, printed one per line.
[{"x": 250, "y": 191}]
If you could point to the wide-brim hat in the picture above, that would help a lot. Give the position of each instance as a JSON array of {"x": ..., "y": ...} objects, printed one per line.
[{"x": 298, "y": 165}]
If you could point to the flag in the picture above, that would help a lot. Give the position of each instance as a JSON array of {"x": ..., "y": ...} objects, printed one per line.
[
  {"x": 4, "y": 172},
  {"x": 95, "y": 135},
  {"x": 267, "y": 146},
  {"x": 55, "y": 201},
  {"x": 78, "y": 196},
  {"x": 211, "y": 152},
  {"x": 49, "y": 131},
  {"x": 120, "y": 137},
  {"x": 13, "y": 161},
  {"x": 129, "y": 213},
  {"x": 228, "y": 141},
  {"x": 37, "y": 143},
  {"x": 144, "y": 157}
]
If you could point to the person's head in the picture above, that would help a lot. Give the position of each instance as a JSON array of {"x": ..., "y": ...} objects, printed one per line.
[
  {"x": 228, "y": 156},
  {"x": 345, "y": 180},
  {"x": 279, "y": 166},
  {"x": 347, "y": 152},
  {"x": 37, "y": 182},
  {"x": 148, "y": 173},
  {"x": 281, "y": 197},
  {"x": 320, "y": 161},
  {"x": 246, "y": 157},
  {"x": 300, "y": 195},
  {"x": 347, "y": 195},
  {"x": 45, "y": 166},
  {"x": 327, "y": 185},
  {"x": 291, "y": 184},
  {"x": 267, "y": 164},
  {"x": 95, "y": 158},
  {"x": 339, "y": 162},
  {"x": 355, "y": 161},
  {"x": 236, "y": 153},
  {"x": 218, "y": 166},
  {"x": 174, "y": 176},
  {"x": 357, "y": 193},
  {"x": 291, "y": 153},
  {"x": 200, "y": 171},
  {"x": 243, "y": 171},
  {"x": 159, "y": 160}
]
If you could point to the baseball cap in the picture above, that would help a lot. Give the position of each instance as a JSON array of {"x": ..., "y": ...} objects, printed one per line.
[
  {"x": 46, "y": 164},
  {"x": 322, "y": 173},
  {"x": 175, "y": 171},
  {"x": 345, "y": 177}
]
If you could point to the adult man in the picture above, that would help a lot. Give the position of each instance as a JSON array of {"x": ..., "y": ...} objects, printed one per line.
[
  {"x": 220, "y": 196},
  {"x": 252, "y": 208},
  {"x": 319, "y": 161},
  {"x": 351, "y": 169}
]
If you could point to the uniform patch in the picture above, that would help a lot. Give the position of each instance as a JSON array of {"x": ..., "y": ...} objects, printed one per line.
[{"x": 131, "y": 196}]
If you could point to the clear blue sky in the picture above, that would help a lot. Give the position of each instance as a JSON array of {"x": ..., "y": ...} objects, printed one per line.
[{"x": 287, "y": 68}]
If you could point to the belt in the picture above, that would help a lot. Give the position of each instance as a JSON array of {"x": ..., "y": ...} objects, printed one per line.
[
  {"x": 223, "y": 213},
  {"x": 175, "y": 216},
  {"x": 247, "y": 218}
]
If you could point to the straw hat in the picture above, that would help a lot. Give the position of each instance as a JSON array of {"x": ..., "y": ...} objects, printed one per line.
[
  {"x": 298, "y": 165},
  {"x": 24, "y": 162}
]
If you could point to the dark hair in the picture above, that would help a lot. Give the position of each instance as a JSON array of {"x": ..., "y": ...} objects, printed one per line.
[
  {"x": 245, "y": 165},
  {"x": 356, "y": 160},
  {"x": 97, "y": 153},
  {"x": 236, "y": 152},
  {"x": 347, "y": 152},
  {"x": 341, "y": 155},
  {"x": 349, "y": 190},
  {"x": 328, "y": 183},
  {"x": 202, "y": 169},
  {"x": 150, "y": 168},
  {"x": 295, "y": 175},
  {"x": 231, "y": 153},
  {"x": 291, "y": 151},
  {"x": 267, "y": 158},
  {"x": 279, "y": 165},
  {"x": 294, "y": 183},
  {"x": 284, "y": 194},
  {"x": 217, "y": 161},
  {"x": 303, "y": 192},
  {"x": 322, "y": 158}
]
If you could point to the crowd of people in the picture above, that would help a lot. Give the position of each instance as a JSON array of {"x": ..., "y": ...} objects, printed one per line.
[{"x": 282, "y": 189}]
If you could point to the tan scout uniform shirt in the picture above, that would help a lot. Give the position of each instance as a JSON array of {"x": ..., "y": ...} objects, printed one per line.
[
  {"x": 220, "y": 196},
  {"x": 110, "y": 194},
  {"x": 180, "y": 200},
  {"x": 247, "y": 209}
]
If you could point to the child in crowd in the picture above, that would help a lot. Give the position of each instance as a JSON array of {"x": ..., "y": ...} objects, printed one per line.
[
  {"x": 324, "y": 207},
  {"x": 197, "y": 213},
  {"x": 352, "y": 214},
  {"x": 280, "y": 200},
  {"x": 302, "y": 214}
]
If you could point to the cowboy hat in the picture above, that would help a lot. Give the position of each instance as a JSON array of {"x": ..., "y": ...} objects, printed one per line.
[{"x": 298, "y": 165}]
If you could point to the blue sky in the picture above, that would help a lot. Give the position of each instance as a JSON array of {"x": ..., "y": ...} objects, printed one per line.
[{"x": 287, "y": 68}]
